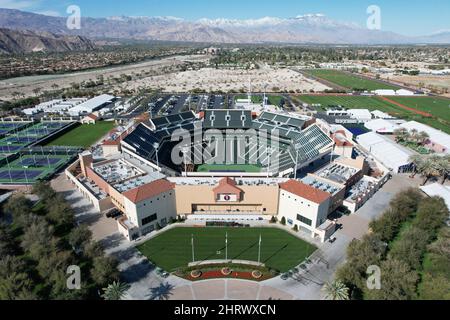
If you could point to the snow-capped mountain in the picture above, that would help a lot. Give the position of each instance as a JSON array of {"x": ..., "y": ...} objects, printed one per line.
[{"x": 309, "y": 28}]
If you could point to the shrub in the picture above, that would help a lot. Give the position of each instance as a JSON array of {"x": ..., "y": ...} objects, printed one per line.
[{"x": 283, "y": 221}]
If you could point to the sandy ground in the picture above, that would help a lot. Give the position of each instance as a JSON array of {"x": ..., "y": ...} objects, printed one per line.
[
  {"x": 210, "y": 79},
  {"x": 26, "y": 85},
  {"x": 441, "y": 82}
]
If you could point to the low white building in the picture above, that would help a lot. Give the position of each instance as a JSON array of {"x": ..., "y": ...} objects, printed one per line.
[
  {"x": 377, "y": 114},
  {"x": 92, "y": 105},
  {"x": 303, "y": 205},
  {"x": 362, "y": 115},
  {"x": 389, "y": 153},
  {"x": 438, "y": 190},
  {"x": 382, "y": 126},
  {"x": 388, "y": 92}
]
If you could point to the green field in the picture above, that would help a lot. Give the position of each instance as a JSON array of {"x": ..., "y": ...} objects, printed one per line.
[
  {"x": 280, "y": 250},
  {"x": 229, "y": 167},
  {"x": 84, "y": 135},
  {"x": 349, "y": 81},
  {"x": 273, "y": 100},
  {"x": 354, "y": 102},
  {"x": 438, "y": 107}
]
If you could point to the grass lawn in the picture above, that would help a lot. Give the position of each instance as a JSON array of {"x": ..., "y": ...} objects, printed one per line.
[
  {"x": 229, "y": 168},
  {"x": 279, "y": 250},
  {"x": 84, "y": 135},
  {"x": 438, "y": 107},
  {"x": 354, "y": 102},
  {"x": 349, "y": 81}
]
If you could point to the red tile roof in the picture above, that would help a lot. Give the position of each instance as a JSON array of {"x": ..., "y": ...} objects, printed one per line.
[
  {"x": 92, "y": 116},
  {"x": 227, "y": 185},
  {"x": 305, "y": 191},
  {"x": 149, "y": 190}
]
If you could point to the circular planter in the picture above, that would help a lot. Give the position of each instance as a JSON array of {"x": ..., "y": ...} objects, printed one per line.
[
  {"x": 257, "y": 274},
  {"x": 226, "y": 271},
  {"x": 196, "y": 274}
]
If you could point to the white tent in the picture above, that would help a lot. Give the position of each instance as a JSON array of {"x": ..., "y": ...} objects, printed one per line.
[
  {"x": 436, "y": 136},
  {"x": 392, "y": 155},
  {"x": 438, "y": 190},
  {"x": 381, "y": 126}
]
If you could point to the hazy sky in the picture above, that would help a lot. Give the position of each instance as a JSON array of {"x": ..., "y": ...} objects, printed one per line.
[{"x": 408, "y": 17}]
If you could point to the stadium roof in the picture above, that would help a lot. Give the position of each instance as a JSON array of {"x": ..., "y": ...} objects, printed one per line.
[
  {"x": 305, "y": 191},
  {"x": 436, "y": 136},
  {"x": 223, "y": 119},
  {"x": 162, "y": 122},
  {"x": 149, "y": 190}
]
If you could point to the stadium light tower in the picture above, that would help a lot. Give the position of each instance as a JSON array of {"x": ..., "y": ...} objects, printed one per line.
[{"x": 156, "y": 146}]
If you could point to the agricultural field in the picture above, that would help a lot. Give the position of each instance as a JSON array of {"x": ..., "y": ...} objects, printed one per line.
[
  {"x": 349, "y": 81},
  {"x": 84, "y": 135},
  {"x": 279, "y": 250}
]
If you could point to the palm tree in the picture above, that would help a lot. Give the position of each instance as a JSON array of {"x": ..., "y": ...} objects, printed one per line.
[
  {"x": 336, "y": 290},
  {"x": 422, "y": 138},
  {"x": 429, "y": 168},
  {"x": 401, "y": 135},
  {"x": 417, "y": 160},
  {"x": 443, "y": 166},
  {"x": 115, "y": 291}
]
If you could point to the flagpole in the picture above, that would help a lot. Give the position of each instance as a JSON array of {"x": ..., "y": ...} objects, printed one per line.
[
  {"x": 259, "y": 250},
  {"x": 226, "y": 246},
  {"x": 193, "y": 252}
]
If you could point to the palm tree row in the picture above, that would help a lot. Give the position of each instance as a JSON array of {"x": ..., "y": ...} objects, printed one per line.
[
  {"x": 414, "y": 136},
  {"x": 434, "y": 166}
]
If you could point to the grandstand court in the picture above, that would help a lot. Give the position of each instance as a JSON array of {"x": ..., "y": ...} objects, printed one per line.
[
  {"x": 279, "y": 249},
  {"x": 248, "y": 168}
]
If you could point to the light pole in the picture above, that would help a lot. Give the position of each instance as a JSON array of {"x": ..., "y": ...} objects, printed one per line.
[{"x": 156, "y": 146}]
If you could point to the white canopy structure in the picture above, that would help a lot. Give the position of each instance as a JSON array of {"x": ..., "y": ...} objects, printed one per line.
[
  {"x": 392, "y": 155},
  {"x": 438, "y": 190}
]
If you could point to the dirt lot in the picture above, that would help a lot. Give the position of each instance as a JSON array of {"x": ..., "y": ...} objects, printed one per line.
[{"x": 209, "y": 79}]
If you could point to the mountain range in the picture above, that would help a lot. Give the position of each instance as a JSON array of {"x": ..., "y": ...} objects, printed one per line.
[
  {"x": 305, "y": 29},
  {"x": 25, "y": 41}
]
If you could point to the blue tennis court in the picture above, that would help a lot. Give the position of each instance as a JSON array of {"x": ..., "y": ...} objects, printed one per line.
[
  {"x": 39, "y": 161},
  {"x": 15, "y": 174},
  {"x": 9, "y": 149},
  {"x": 20, "y": 140}
]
